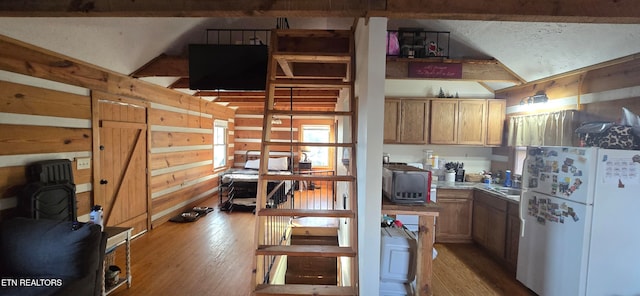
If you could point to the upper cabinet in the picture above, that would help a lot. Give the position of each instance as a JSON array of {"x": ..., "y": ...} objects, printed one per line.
[
  {"x": 444, "y": 121},
  {"x": 406, "y": 121},
  {"x": 496, "y": 110},
  {"x": 458, "y": 121},
  {"x": 477, "y": 122}
]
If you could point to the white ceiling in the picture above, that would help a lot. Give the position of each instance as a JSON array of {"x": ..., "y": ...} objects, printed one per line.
[{"x": 531, "y": 50}]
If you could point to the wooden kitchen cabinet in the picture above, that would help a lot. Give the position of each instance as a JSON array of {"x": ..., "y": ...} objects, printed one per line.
[
  {"x": 458, "y": 121},
  {"x": 496, "y": 110},
  {"x": 444, "y": 121},
  {"x": 453, "y": 225},
  {"x": 391, "y": 121},
  {"x": 490, "y": 223},
  {"x": 405, "y": 121},
  {"x": 472, "y": 122},
  {"x": 513, "y": 236}
]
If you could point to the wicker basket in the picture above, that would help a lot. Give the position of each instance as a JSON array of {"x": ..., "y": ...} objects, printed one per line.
[{"x": 473, "y": 177}]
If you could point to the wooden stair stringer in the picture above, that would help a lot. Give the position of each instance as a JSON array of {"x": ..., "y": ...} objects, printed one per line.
[{"x": 286, "y": 56}]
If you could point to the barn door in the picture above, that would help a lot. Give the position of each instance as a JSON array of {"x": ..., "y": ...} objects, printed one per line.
[{"x": 121, "y": 179}]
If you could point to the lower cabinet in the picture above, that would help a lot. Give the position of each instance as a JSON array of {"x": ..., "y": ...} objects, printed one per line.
[
  {"x": 453, "y": 225},
  {"x": 490, "y": 222},
  {"x": 496, "y": 227},
  {"x": 513, "y": 236}
]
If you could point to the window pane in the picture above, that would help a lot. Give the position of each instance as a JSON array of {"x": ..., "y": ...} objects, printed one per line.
[
  {"x": 319, "y": 156},
  {"x": 219, "y": 146}
]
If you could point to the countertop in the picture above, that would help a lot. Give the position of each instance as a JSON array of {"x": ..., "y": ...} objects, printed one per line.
[{"x": 507, "y": 193}]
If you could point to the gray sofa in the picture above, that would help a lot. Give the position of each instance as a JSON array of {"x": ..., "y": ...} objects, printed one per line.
[{"x": 48, "y": 257}]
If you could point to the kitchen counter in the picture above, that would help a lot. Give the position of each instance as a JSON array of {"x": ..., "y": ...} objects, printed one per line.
[{"x": 507, "y": 193}]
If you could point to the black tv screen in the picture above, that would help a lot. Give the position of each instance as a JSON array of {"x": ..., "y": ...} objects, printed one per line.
[{"x": 227, "y": 67}]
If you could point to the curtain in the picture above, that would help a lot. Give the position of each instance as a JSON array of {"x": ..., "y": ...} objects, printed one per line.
[{"x": 545, "y": 129}]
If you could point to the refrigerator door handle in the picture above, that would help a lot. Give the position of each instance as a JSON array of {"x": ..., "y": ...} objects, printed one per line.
[{"x": 522, "y": 221}]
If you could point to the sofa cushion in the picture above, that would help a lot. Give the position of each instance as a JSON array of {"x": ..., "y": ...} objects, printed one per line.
[{"x": 49, "y": 248}]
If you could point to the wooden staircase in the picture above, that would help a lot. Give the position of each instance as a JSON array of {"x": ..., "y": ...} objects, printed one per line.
[{"x": 307, "y": 60}]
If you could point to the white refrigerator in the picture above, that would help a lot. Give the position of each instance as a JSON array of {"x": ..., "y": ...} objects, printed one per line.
[{"x": 580, "y": 222}]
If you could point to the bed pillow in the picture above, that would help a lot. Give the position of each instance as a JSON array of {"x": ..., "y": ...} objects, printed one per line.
[
  {"x": 275, "y": 164},
  {"x": 278, "y": 164},
  {"x": 252, "y": 164}
]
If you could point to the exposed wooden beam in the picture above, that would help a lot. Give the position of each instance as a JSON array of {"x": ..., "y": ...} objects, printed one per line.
[
  {"x": 472, "y": 70},
  {"x": 164, "y": 66},
  {"x": 279, "y": 94},
  {"x": 587, "y": 11}
]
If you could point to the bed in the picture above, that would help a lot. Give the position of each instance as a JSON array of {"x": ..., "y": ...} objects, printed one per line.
[{"x": 239, "y": 186}]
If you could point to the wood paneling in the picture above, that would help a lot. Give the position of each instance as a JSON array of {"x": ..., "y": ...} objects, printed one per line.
[
  {"x": 20, "y": 139},
  {"x": 173, "y": 139},
  {"x": 175, "y": 119},
  {"x": 169, "y": 200},
  {"x": 165, "y": 160},
  {"x": 174, "y": 179},
  {"x": 23, "y": 99},
  {"x": 11, "y": 180}
]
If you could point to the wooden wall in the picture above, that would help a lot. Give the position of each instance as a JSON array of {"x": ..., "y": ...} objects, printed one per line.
[
  {"x": 181, "y": 154},
  {"x": 40, "y": 122},
  {"x": 599, "y": 92}
]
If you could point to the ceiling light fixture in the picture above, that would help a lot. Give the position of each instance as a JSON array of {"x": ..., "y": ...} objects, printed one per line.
[{"x": 539, "y": 97}]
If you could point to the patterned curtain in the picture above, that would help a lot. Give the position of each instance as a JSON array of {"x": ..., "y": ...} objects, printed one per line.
[{"x": 545, "y": 129}]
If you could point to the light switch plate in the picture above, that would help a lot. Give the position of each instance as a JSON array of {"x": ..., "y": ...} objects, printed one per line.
[{"x": 83, "y": 163}]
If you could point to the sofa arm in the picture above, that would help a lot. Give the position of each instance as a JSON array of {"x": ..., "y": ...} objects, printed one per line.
[{"x": 53, "y": 249}]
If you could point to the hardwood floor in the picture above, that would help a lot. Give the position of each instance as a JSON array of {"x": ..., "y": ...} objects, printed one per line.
[{"x": 213, "y": 256}]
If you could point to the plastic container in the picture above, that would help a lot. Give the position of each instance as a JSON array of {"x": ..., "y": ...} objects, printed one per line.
[{"x": 507, "y": 179}]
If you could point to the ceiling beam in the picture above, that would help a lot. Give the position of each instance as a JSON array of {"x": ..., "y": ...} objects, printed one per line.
[
  {"x": 279, "y": 94},
  {"x": 472, "y": 70},
  {"x": 586, "y": 11},
  {"x": 164, "y": 66}
]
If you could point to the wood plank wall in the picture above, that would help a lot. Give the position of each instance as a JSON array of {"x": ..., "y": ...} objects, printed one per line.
[
  {"x": 181, "y": 154},
  {"x": 599, "y": 92},
  {"x": 38, "y": 122}
]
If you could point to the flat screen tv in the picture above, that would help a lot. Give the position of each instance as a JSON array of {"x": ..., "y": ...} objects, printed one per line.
[{"x": 227, "y": 67}]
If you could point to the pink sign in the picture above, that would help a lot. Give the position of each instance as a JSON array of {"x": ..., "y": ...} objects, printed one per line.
[{"x": 435, "y": 70}]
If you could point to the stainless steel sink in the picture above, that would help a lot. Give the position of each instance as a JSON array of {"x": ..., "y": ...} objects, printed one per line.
[{"x": 508, "y": 190}]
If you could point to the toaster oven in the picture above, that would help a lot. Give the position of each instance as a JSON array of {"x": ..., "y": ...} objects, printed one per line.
[{"x": 406, "y": 184}]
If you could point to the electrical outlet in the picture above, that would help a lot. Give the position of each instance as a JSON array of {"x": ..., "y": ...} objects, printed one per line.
[{"x": 83, "y": 163}]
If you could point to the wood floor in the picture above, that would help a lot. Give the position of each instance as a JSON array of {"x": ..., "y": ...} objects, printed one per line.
[{"x": 212, "y": 256}]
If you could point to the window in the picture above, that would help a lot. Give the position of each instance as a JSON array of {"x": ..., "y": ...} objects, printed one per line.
[
  {"x": 520, "y": 155},
  {"x": 319, "y": 156},
  {"x": 219, "y": 144}
]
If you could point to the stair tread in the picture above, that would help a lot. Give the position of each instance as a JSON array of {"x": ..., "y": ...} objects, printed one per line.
[
  {"x": 306, "y": 213},
  {"x": 320, "y": 57},
  {"x": 297, "y": 289},
  {"x": 310, "y": 113},
  {"x": 306, "y": 250},
  {"x": 311, "y": 83}
]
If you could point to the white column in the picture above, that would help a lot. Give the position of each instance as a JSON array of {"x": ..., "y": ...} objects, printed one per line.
[{"x": 370, "y": 42}]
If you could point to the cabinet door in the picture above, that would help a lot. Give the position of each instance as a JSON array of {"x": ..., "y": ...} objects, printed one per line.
[
  {"x": 454, "y": 222},
  {"x": 496, "y": 235},
  {"x": 480, "y": 220},
  {"x": 391, "y": 121},
  {"x": 496, "y": 110},
  {"x": 444, "y": 121},
  {"x": 413, "y": 128},
  {"x": 471, "y": 122},
  {"x": 490, "y": 222},
  {"x": 513, "y": 236}
]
